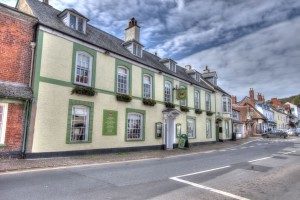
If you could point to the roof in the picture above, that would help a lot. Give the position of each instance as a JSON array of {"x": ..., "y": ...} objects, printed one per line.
[
  {"x": 15, "y": 91},
  {"x": 48, "y": 16},
  {"x": 244, "y": 112},
  {"x": 73, "y": 11}
]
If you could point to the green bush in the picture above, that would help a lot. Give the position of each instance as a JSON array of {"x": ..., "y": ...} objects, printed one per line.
[
  {"x": 169, "y": 105},
  {"x": 123, "y": 97},
  {"x": 184, "y": 109},
  {"x": 83, "y": 90},
  {"x": 149, "y": 102},
  {"x": 198, "y": 111}
]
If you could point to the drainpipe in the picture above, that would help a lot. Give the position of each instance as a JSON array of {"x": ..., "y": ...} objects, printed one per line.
[
  {"x": 26, "y": 126},
  {"x": 33, "y": 45}
]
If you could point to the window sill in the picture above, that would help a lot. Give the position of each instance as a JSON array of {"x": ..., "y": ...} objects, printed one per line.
[
  {"x": 3, "y": 145},
  {"x": 79, "y": 142},
  {"x": 137, "y": 140}
]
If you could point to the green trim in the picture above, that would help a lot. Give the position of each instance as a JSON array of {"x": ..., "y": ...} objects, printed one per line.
[
  {"x": 129, "y": 67},
  {"x": 37, "y": 72},
  {"x": 187, "y": 93},
  {"x": 3, "y": 145},
  {"x": 73, "y": 102},
  {"x": 93, "y": 53},
  {"x": 9, "y": 100},
  {"x": 143, "y": 112},
  {"x": 172, "y": 83},
  {"x": 110, "y": 123},
  {"x": 152, "y": 74},
  {"x": 194, "y": 118},
  {"x": 197, "y": 90}
]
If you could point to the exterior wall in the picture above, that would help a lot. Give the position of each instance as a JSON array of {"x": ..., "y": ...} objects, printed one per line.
[
  {"x": 53, "y": 92},
  {"x": 16, "y": 32},
  {"x": 16, "y": 35},
  {"x": 281, "y": 120},
  {"x": 14, "y": 129}
]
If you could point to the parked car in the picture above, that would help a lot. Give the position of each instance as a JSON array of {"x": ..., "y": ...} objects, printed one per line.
[
  {"x": 291, "y": 131},
  {"x": 297, "y": 132},
  {"x": 275, "y": 133}
]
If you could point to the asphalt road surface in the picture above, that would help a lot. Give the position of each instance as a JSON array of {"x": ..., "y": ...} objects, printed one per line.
[{"x": 262, "y": 169}]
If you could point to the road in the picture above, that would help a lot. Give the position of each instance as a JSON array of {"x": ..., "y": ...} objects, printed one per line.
[{"x": 262, "y": 169}]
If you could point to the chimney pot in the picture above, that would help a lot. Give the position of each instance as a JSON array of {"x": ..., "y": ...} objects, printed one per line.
[{"x": 46, "y": 1}]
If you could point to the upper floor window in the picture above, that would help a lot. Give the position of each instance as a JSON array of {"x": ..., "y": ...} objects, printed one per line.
[
  {"x": 226, "y": 104},
  {"x": 197, "y": 77},
  {"x": 79, "y": 123},
  {"x": 235, "y": 115},
  {"x": 122, "y": 81},
  {"x": 172, "y": 66},
  {"x": 3, "y": 116},
  {"x": 168, "y": 92},
  {"x": 83, "y": 70},
  {"x": 137, "y": 50},
  {"x": 74, "y": 20},
  {"x": 197, "y": 100},
  {"x": 184, "y": 101},
  {"x": 134, "y": 126},
  {"x": 207, "y": 102},
  {"x": 147, "y": 86}
]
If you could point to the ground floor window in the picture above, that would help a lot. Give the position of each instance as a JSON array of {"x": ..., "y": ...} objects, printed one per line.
[
  {"x": 227, "y": 129},
  {"x": 191, "y": 128},
  {"x": 79, "y": 124},
  {"x": 80, "y": 121},
  {"x": 3, "y": 116},
  {"x": 135, "y": 126},
  {"x": 208, "y": 128}
]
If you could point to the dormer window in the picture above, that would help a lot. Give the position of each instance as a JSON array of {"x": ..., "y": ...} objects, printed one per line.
[
  {"x": 134, "y": 48},
  {"x": 197, "y": 77},
  {"x": 169, "y": 63},
  {"x": 74, "y": 20}
]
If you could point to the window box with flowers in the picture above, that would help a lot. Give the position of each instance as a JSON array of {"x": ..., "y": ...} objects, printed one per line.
[
  {"x": 83, "y": 90},
  {"x": 209, "y": 113},
  {"x": 184, "y": 109},
  {"x": 149, "y": 102},
  {"x": 169, "y": 105},
  {"x": 123, "y": 97},
  {"x": 198, "y": 111}
]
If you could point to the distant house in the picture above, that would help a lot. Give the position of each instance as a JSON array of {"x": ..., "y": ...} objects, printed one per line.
[
  {"x": 237, "y": 125},
  {"x": 295, "y": 114},
  {"x": 254, "y": 121},
  {"x": 16, "y": 36}
]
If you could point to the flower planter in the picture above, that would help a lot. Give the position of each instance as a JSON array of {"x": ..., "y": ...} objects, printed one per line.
[
  {"x": 198, "y": 111},
  {"x": 169, "y": 105},
  {"x": 82, "y": 90},
  {"x": 209, "y": 113},
  {"x": 123, "y": 97},
  {"x": 149, "y": 102},
  {"x": 184, "y": 109}
]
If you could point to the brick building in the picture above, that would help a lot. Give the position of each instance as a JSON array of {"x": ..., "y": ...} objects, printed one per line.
[{"x": 16, "y": 48}]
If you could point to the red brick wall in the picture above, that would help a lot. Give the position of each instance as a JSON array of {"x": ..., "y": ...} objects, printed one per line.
[
  {"x": 14, "y": 128},
  {"x": 16, "y": 34}
]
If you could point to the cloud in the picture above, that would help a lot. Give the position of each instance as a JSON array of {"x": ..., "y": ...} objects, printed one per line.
[
  {"x": 11, "y": 3},
  {"x": 267, "y": 60}
]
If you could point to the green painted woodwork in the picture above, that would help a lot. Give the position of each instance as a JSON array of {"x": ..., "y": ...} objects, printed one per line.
[
  {"x": 143, "y": 112},
  {"x": 121, "y": 63},
  {"x": 197, "y": 90},
  {"x": 166, "y": 78},
  {"x": 73, "y": 102},
  {"x": 152, "y": 74},
  {"x": 38, "y": 64},
  {"x": 110, "y": 122},
  {"x": 194, "y": 118},
  {"x": 93, "y": 53},
  {"x": 3, "y": 145}
]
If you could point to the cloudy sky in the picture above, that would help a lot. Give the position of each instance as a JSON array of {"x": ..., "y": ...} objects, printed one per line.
[{"x": 250, "y": 43}]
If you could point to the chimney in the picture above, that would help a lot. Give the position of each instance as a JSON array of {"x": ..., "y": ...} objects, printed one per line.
[
  {"x": 188, "y": 67},
  {"x": 132, "y": 32},
  {"x": 259, "y": 97},
  {"x": 46, "y": 1},
  {"x": 233, "y": 100},
  {"x": 263, "y": 99},
  {"x": 206, "y": 70},
  {"x": 251, "y": 93}
]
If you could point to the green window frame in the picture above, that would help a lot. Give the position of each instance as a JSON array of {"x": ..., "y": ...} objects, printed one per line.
[
  {"x": 93, "y": 53},
  {"x": 152, "y": 75},
  {"x": 207, "y": 101},
  {"x": 143, "y": 123},
  {"x": 199, "y": 91},
  {"x": 170, "y": 80},
  {"x": 188, "y": 118},
  {"x": 90, "y": 105},
  {"x": 128, "y": 66},
  {"x": 183, "y": 85}
]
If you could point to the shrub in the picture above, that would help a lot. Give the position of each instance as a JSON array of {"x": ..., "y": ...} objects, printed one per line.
[
  {"x": 169, "y": 105},
  {"x": 198, "y": 111},
  {"x": 123, "y": 97},
  {"x": 83, "y": 90},
  {"x": 149, "y": 102},
  {"x": 184, "y": 109}
]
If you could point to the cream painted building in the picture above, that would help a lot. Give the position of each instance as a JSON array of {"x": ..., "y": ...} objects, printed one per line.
[
  {"x": 96, "y": 93},
  {"x": 280, "y": 118}
]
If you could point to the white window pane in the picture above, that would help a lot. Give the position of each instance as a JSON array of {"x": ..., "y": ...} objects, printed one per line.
[
  {"x": 73, "y": 21},
  {"x": 134, "y": 126},
  {"x": 79, "y": 123}
]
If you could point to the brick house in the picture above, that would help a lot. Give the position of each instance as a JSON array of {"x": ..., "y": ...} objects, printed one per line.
[{"x": 16, "y": 36}]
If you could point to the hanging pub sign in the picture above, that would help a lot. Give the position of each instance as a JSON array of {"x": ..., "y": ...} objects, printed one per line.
[{"x": 181, "y": 93}]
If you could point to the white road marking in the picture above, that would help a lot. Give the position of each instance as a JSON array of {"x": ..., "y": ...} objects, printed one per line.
[
  {"x": 289, "y": 152},
  {"x": 244, "y": 147},
  {"x": 251, "y": 146},
  {"x": 201, "y": 172},
  {"x": 209, "y": 189},
  {"x": 251, "y": 161}
]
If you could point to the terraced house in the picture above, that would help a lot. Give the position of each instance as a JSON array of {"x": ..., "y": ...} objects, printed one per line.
[{"x": 94, "y": 92}]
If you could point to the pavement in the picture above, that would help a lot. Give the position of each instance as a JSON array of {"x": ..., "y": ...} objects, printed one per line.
[{"x": 11, "y": 164}]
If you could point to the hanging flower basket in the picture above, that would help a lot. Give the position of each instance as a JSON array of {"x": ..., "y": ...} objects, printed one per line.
[
  {"x": 82, "y": 90},
  {"x": 123, "y": 97},
  {"x": 149, "y": 102},
  {"x": 169, "y": 105},
  {"x": 184, "y": 109},
  {"x": 198, "y": 111},
  {"x": 209, "y": 113}
]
